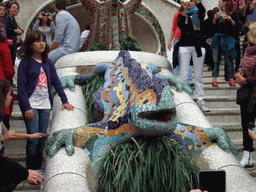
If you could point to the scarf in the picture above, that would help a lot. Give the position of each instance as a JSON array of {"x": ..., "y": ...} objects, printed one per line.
[{"x": 195, "y": 19}]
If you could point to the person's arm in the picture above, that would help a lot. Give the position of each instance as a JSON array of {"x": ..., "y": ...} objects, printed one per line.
[
  {"x": 13, "y": 135},
  {"x": 6, "y": 58},
  {"x": 58, "y": 86},
  {"x": 36, "y": 25},
  {"x": 201, "y": 10},
  {"x": 52, "y": 25},
  {"x": 54, "y": 45},
  {"x": 22, "y": 81},
  {"x": 8, "y": 23},
  {"x": 170, "y": 40},
  {"x": 61, "y": 24},
  {"x": 174, "y": 27}
]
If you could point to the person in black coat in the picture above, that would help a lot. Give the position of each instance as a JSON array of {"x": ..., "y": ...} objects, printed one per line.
[{"x": 13, "y": 30}]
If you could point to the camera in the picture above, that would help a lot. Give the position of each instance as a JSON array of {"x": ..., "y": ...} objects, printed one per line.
[{"x": 45, "y": 14}]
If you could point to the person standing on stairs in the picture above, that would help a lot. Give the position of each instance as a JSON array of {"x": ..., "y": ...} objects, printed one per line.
[
  {"x": 174, "y": 39},
  {"x": 227, "y": 27},
  {"x": 192, "y": 45},
  {"x": 248, "y": 110}
]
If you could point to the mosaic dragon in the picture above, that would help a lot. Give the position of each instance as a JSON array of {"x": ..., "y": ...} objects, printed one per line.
[{"x": 135, "y": 101}]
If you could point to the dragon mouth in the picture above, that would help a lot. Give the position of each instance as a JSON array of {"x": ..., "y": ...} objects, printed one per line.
[{"x": 165, "y": 115}]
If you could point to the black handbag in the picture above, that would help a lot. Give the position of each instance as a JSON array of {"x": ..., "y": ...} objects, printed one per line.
[{"x": 245, "y": 93}]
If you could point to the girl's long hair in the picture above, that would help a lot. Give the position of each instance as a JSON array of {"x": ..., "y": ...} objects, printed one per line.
[
  {"x": 26, "y": 50},
  {"x": 48, "y": 23},
  {"x": 5, "y": 87}
]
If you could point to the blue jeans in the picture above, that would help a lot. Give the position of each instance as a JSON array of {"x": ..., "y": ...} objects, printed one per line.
[
  {"x": 35, "y": 147},
  {"x": 229, "y": 65},
  {"x": 55, "y": 54}
]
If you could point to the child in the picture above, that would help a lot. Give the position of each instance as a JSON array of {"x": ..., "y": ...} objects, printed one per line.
[
  {"x": 36, "y": 75},
  {"x": 13, "y": 173}
]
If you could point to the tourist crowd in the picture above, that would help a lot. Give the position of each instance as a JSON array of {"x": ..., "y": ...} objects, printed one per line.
[{"x": 195, "y": 41}]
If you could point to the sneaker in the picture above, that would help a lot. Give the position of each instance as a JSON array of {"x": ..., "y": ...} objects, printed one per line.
[
  {"x": 215, "y": 84},
  {"x": 232, "y": 83},
  {"x": 201, "y": 105}
]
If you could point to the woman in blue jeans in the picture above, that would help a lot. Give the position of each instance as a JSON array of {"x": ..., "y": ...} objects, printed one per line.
[
  {"x": 36, "y": 75},
  {"x": 226, "y": 38}
]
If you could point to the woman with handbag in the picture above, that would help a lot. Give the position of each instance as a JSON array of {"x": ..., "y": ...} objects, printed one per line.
[{"x": 246, "y": 95}]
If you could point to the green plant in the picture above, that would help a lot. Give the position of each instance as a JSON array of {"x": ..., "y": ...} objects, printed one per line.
[
  {"x": 128, "y": 43},
  {"x": 147, "y": 164},
  {"x": 97, "y": 47},
  {"x": 89, "y": 89}
]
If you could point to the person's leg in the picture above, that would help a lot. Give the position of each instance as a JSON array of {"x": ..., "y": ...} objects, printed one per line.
[
  {"x": 246, "y": 117},
  {"x": 184, "y": 61},
  {"x": 216, "y": 58},
  {"x": 44, "y": 116},
  {"x": 55, "y": 54},
  {"x": 32, "y": 126},
  {"x": 198, "y": 73},
  {"x": 177, "y": 68},
  {"x": 230, "y": 71}
]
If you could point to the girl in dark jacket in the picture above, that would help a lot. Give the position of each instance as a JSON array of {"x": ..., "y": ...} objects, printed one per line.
[{"x": 36, "y": 75}]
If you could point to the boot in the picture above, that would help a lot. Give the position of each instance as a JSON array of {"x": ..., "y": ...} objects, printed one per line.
[{"x": 246, "y": 161}]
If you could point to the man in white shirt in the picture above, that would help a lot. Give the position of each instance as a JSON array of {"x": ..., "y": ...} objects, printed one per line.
[{"x": 67, "y": 34}]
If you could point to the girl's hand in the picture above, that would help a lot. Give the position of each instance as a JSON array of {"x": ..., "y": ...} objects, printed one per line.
[
  {"x": 49, "y": 16},
  {"x": 37, "y": 135},
  {"x": 29, "y": 114},
  {"x": 9, "y": 135},
  {"x": 34, "y": 177},
  {"x": 68, "y": 106},
  {"x": 40, "y": 15}
]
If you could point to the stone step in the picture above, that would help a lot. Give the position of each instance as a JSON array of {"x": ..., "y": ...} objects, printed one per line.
[
  {"x": 220, "y": 91},
  {"x": 218, "y": 102},
  {"x": 223, "y": 115}
]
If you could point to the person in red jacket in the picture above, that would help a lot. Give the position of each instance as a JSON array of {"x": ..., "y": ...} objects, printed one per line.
[{"x": 6, "y": 70}]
